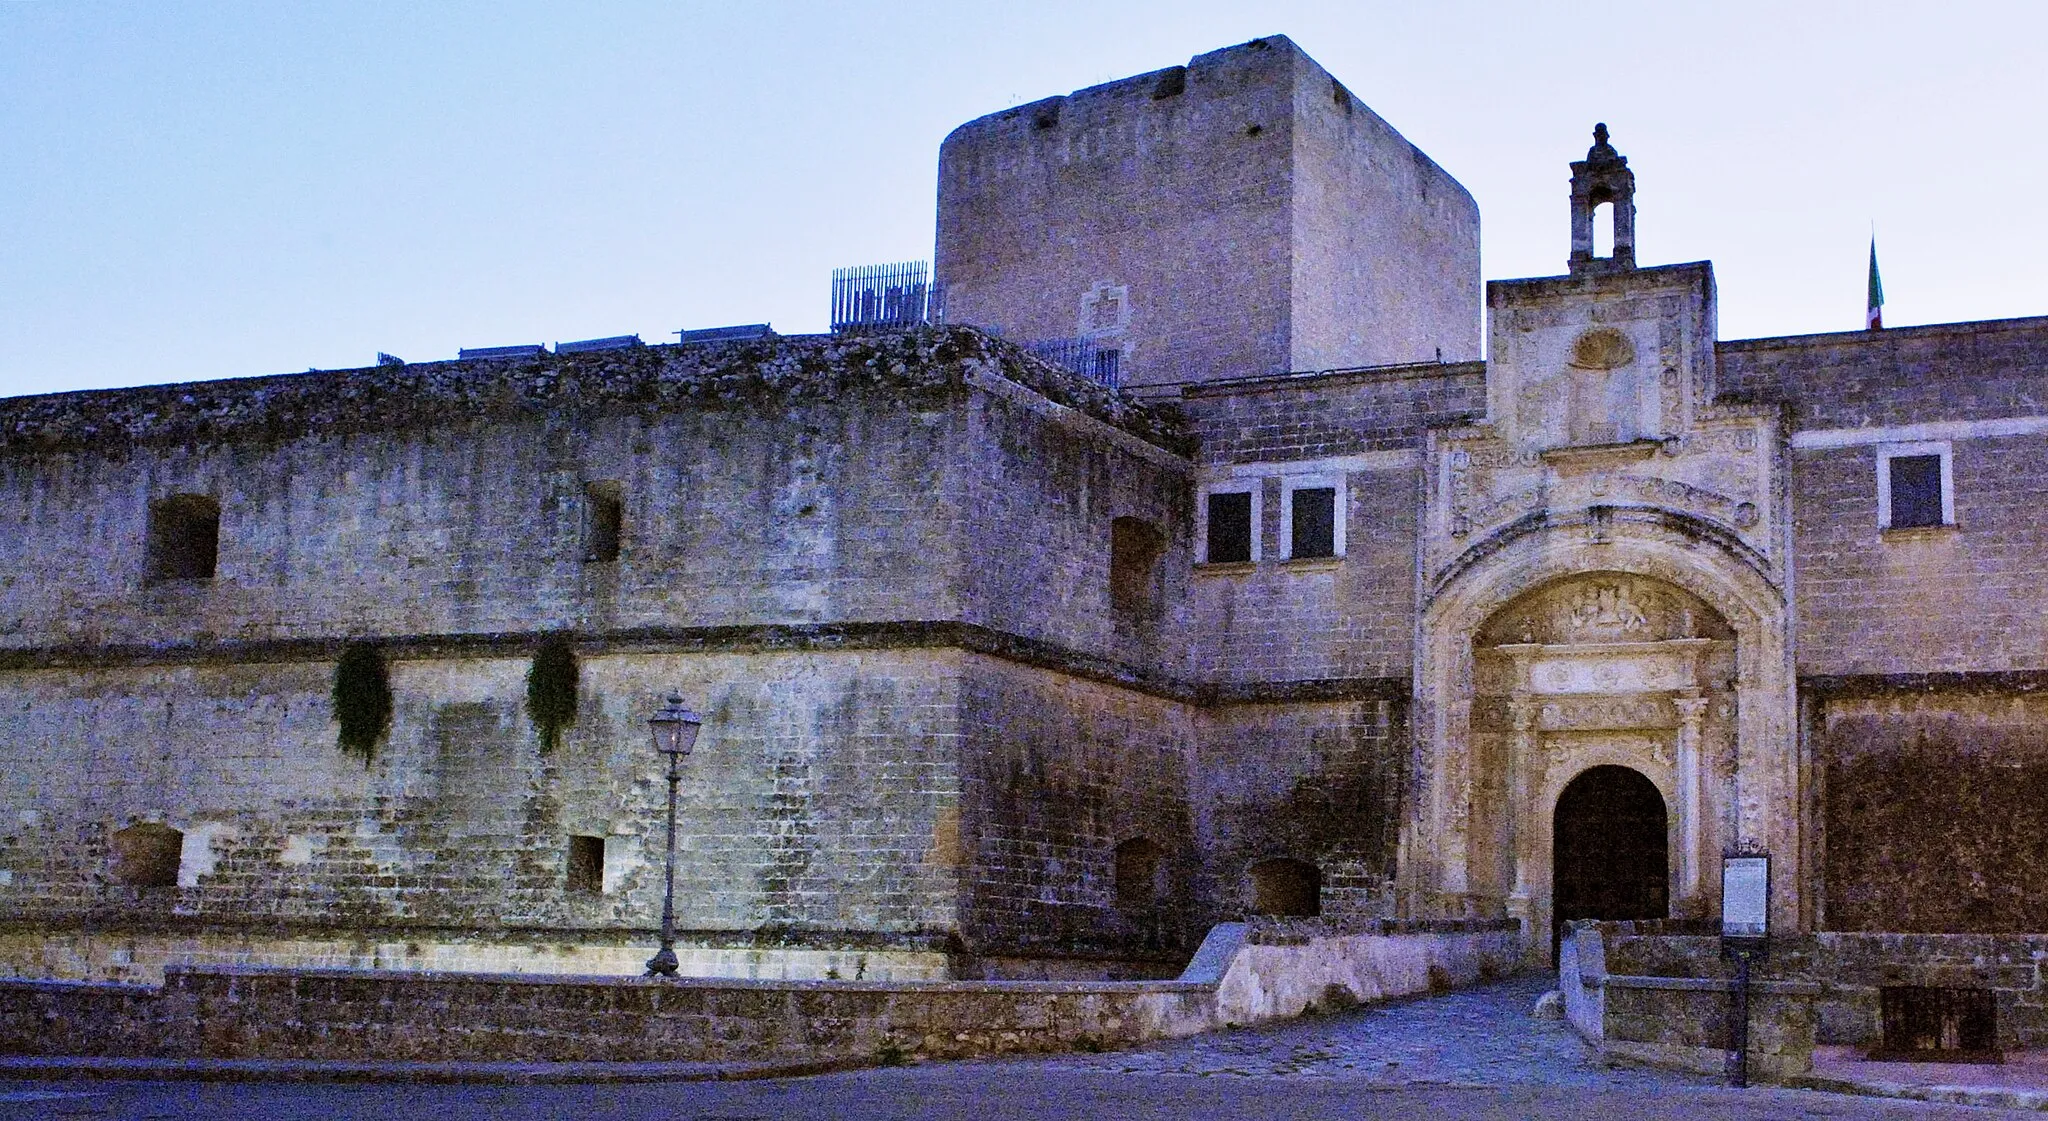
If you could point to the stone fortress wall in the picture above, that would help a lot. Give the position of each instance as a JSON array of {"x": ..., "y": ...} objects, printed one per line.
[
  {"x": 978, "y": 701},
  {"x": 880, "y": 567},
  {"x": 1923, "y": 652}
]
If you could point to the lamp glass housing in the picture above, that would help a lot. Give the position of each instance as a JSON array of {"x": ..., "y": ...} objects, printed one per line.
[{"x": 674, "y": 728}]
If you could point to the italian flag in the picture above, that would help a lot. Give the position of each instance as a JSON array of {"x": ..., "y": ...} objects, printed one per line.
[{"x": 1873, "y": 316}]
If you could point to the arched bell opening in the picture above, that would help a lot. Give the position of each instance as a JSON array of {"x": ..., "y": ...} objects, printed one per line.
[{"x": 1610, "y": 850}]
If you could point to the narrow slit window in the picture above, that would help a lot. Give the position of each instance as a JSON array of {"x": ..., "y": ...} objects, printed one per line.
[
  {"x": 605, "y": 504},
  {"x": 1230, "y": 528},
  {"x": 184, "y": 537},
  {"x": 586, "y": 865},
  {"x": 1135, "y": 549},
  {"x": 1314, "y": 514},
  {"x": 1916, "y": 491}
]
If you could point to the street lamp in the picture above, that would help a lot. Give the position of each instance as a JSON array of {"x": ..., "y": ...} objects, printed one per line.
[{"x": 674, "y": 729}]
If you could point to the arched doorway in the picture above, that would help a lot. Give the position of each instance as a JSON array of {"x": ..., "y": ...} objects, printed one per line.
[{"x": 1610, "y": 852}]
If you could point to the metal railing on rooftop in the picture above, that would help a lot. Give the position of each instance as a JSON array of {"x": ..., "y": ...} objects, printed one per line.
[
  {"x": 1087, "y": 357},
  {"x": 870, "y": 297}
]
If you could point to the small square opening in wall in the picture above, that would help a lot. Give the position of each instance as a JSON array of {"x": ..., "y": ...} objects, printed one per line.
[
  {"x": 586, "y": 865},
  {"x": 184, "y": 537},
  {"x": 148, "y": 855},
  {"x": 1136, "y": 547}
]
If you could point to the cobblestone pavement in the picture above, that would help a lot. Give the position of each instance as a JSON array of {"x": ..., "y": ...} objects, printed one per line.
[
  {"x": 1471, "y": 1055},
  {"x": 1482, "y": 1036}
]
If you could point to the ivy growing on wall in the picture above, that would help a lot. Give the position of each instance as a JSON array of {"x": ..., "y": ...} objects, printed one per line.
[
  {"x": 551, "y": 690},
  {"x": 362, "y": 699}
]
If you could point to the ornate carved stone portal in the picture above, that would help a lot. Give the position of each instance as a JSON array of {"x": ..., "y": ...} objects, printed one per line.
[
  {"x": 1598, "y": 670},
  {"x": 1604, "y": 576}
]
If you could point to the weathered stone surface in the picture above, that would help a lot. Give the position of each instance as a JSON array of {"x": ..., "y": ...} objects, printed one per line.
[
  {"x": 966, "y": 674},
  {"x": 409, "y": 1015},
  {"x": 1316, "y": 236}
]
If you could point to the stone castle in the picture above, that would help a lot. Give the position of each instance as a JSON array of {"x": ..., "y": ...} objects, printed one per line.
[{"x": 1009, "y": 673}]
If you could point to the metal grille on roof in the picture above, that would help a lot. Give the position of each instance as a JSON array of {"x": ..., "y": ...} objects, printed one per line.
[
  {"x": 883, "y": 296},
  {"x": 726, "y": 334},
  {"x": 502, "y": 351},
  {"x": 611, "y": 342}
]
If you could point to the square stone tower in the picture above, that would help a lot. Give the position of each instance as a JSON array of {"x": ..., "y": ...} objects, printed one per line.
[{"x": 1242, "y": 215}]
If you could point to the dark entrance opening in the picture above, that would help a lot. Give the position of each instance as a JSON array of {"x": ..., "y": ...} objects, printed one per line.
[{"x": 1610, "y": 855}]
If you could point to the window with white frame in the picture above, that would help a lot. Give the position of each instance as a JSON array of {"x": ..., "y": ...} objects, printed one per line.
[
  {"x": 1915, "y": 485},
  {"x": 1312, "y": 516},
  {"x": 1229, "y": 522}
]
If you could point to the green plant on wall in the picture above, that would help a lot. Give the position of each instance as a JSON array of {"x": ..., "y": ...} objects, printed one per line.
[
  {"x": 362, "y": 699},
  {"x": 551, "y": 690}
]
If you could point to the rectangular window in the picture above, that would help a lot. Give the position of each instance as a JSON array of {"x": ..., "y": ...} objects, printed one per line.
[
  {"x": 184, "y": 537},
  {"x": 606, "y": 520},
  {"x": 1916, "y": 490},
  {"x": 1312, "y": 522},
  {"x": 586, "y": 865},
  {"x": 1915, "y": 485},
  {"x": 1230, "y": 528}
]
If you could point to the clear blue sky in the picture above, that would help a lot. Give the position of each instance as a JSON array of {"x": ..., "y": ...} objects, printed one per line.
[{"x": 193, "y": 190}]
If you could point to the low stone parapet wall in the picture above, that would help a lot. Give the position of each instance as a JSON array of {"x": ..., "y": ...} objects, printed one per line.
[
  {"x": 264, "y": 1013},
  {"x": 1665, "y": 997},
  {"x": 1678, "y": 1020},
  {"x": 1851, "y": 968},
  {"x": 1285, "y": 969}
]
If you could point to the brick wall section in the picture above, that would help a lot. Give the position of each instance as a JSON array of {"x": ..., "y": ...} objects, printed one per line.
[
  {"x": 1935, "y": 812},
  {"x": 1386, "y": 261},
  {"x": 1923, "y": 601},
  {"x": 1248, "y": 182},
  {"x": 400, "y": 1017},
  {"x": 819, "y": 512},
  {"x": 1166, "y": 196},
  {"x": 1057, "y": 772},
  {"x": 1333, "y": 414},
  {"x": 1868, "y": 602},
  {"x": 1038, "y": 494},
  {"x": 813, "y": 803},
  {"x": 405, "y": 1016},
  {"x": 1851, "y": 967},
  {"x": 1318, "y": 782},
  {"x": 1315, "y": 620},
  {"x": 1904, "y": 375},
  {"x": 1319, "y": 620}
]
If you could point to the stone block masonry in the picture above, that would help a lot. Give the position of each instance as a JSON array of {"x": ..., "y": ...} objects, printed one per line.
[
  {"x": 406, "y": 1016},
  {"x": 1240, "y": 215}
]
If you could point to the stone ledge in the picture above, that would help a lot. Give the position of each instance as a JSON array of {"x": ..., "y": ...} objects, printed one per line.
[
  {"x": 334, "y": 1070},
  {"x": 916, "y": 363},
  {"x": 425, "y": 977},
  {"x": 912, "y": 634},
  {"x": 1702, "y": 984}
]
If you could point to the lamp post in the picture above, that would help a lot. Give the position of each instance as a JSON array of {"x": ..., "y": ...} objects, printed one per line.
[{"x": 674, "y": 729}]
